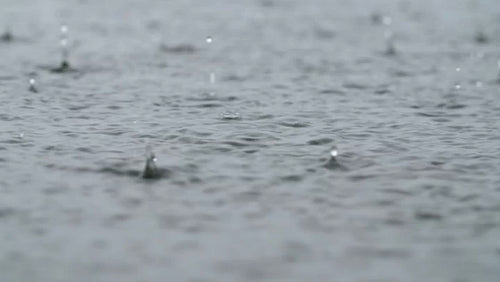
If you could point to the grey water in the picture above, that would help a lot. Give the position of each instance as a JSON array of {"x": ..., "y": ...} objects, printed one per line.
[{"x": 253, "y": 190}]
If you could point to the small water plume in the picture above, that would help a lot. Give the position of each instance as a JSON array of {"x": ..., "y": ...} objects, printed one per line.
[
  {"x": 32, "y": 85},
  {"x": 332, "y": 162},
  {"x": 150, "y": 169},
  {"x": 457, "y": 87},
  {"x": 390, "y": 48},
  {"x": 211, "y": 77},
  {"x": 64, "y": 66}
]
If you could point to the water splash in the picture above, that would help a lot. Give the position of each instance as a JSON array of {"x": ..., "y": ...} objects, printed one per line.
[
  {"x": 390, "y": 48},
  {"x": 211, "y": 78},
  {"x": 457, "y": 86},
  {"x": 32, "y": 87},
  {"x": 332, "y": 162},
  {"x": 150, "y": 169},
  {"x": 64, "y": 45},
  {"x": 334, "y": 152}
]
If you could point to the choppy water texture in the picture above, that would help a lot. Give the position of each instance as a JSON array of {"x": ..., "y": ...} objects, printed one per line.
[{"x": 250, "y": 195}]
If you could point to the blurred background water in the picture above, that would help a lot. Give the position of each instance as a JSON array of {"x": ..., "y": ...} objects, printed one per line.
[{"x": 248, "y": 197}]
